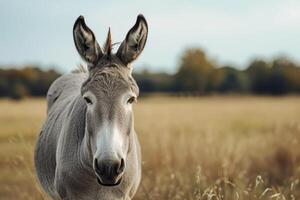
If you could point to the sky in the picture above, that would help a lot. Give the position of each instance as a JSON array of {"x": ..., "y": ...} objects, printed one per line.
[{"x": 231, "y": 32}]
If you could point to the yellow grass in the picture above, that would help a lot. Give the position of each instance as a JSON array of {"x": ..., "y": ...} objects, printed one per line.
[{"x": 193, "y": 148}]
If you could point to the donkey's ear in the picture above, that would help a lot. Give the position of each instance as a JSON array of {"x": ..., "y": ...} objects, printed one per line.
[
  {"x": 134, "y": 42},
  {"x": 85, "y": 42}
]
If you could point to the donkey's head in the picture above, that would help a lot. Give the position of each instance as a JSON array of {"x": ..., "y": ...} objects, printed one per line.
[{"x": 109, "y": 93}]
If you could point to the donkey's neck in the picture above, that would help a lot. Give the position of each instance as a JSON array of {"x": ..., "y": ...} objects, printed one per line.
[
  {"x": 85, "y": 154},
  {"x": 84, "y": 150},
  {"x": 75, "y": 134}
]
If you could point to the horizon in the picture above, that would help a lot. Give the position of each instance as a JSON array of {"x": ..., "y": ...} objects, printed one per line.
[{"x": 231, "y": 33}]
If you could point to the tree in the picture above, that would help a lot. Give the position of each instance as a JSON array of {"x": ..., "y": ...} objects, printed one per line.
[
  {"x": 19, "y": 91},
  {"x": 154, "y": 82},
  {"x": 281, "y": 76},
  {"x": 259, "y": 73},
  {"x": 30, "y": 80},
  {"x": 233, "y": 80},
  {"x": 285, "y": 76},
  {"x": 194, "y": 72}
]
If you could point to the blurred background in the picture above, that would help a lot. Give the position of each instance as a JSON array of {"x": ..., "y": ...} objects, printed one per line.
[{"x": 223, "y": 76}]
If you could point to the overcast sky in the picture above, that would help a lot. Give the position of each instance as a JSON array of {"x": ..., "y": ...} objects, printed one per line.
[{"x": 232, "y": 32}]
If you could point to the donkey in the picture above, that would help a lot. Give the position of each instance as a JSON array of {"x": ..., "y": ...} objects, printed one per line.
[{"x": 88, "y": 148}]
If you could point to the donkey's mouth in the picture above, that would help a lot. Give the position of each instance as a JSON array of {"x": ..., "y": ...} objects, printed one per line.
[{"x": 108, "y": 184}]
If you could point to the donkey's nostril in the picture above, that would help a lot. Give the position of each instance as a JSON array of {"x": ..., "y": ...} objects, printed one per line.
[
  {"x": 108, "y": 171},
  {"x": 97, "y": 167},
  {"x": 121, "y": 166},
  {"x": 109, "y": 167}
]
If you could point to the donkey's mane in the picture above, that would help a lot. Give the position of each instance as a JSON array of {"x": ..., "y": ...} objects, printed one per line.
[{"x": 80, "y": 69}]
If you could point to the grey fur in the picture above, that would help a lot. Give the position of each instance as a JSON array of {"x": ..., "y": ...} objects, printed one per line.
[{"x": 68, "y": 143}]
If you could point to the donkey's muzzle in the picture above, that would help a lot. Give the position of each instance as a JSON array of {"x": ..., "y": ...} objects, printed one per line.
[{"x": 109, "y": 172}]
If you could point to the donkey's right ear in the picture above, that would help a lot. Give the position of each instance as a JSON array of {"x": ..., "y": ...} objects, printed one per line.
[{"x": 85, "y": 42}]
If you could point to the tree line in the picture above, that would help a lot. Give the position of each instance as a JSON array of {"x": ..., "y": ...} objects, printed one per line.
[
  {"x": 26, "y": 81},
  {"x": 196, "y": 75},
  {"x": 199, "y": 75}
]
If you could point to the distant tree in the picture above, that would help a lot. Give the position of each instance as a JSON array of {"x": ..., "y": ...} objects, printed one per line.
[
  {"x": 19, "y": 91},
  {"x": 215, "y": 80},
  {"x": 278, "y": 77},
  {"x": 146, "y": 84},
  {"x": 259, "y": 73},
  {"x": 154, "y": 82},
  {"x": 292, "y": 74},
  {"x": 194, "y": 72},
  {"x": 4, "y": 84},
  {"x": 27, "y": 81},
  {"x": 285, "y": 76},
  {"x": 233, "y": 80}
]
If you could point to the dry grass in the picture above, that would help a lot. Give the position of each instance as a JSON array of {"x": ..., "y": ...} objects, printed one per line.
[{"x": 193, "y": 148}]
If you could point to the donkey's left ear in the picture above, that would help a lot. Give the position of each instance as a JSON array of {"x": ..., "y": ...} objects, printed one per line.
[{"x": 134, "y": 42}]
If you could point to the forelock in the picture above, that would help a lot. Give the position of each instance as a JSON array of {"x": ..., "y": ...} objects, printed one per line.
[{"x": 110, "y": 80}]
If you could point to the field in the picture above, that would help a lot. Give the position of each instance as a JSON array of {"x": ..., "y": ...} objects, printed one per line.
[{"x": 193, "y": 148}]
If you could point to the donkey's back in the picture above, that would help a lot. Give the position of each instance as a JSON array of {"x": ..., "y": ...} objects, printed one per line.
[{"x": 60, "y": 98}]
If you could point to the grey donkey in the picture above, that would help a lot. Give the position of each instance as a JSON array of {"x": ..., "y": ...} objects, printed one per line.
[{"x": 87, "y": 148}]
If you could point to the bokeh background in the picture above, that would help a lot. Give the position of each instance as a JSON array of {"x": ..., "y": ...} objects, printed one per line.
[{"x": 219, "y": 111}]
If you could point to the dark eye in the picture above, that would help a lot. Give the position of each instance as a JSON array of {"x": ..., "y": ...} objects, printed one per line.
[
  {"x": 88, "y": 100},
  {"x": 131, "y": 100}
]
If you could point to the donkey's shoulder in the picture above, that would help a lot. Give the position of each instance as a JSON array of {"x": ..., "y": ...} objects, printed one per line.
[{"x": 64, "y": 87}]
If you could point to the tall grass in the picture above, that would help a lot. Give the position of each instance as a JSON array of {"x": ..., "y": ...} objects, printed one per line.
[{"x": 193, "y": 148}]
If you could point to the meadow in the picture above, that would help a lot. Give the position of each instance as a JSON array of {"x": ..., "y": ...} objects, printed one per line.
[{"x": 193, "y": 148}]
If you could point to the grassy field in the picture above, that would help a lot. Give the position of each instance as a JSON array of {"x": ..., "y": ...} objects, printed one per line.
[{"x": 193, "y": 148}]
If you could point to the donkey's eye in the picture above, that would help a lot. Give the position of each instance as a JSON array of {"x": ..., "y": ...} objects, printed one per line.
[
  {"x": 88, "y": 100},
  {"x": 131, "y": 100}
]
